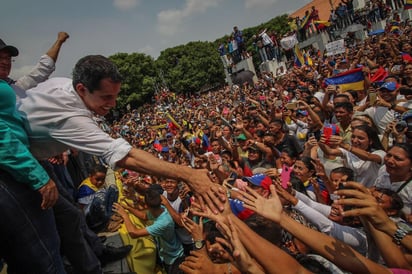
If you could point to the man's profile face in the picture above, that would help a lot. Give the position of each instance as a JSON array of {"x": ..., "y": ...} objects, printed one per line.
[
  {"x": 5, "y": 64},
  {"x": 102, "y": 100}
]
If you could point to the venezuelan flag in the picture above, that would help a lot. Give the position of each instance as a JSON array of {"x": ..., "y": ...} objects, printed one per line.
[
  {"x": 299, "y": 60},
  {"x": 306, "y": 21},
  {"x": 172, "y": 122},
  {"x": 379, "y": 75},
  {"x": 349, "y": 80},
  {"x": 408, "y": 5},
  {"x": 308, "y": 59},
  {"x": 322, "y": 24}
]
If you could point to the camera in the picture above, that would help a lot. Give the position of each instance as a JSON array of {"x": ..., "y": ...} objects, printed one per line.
[
  {"x": 405, "y": 91},
  {"x": 401, "y": 125}
]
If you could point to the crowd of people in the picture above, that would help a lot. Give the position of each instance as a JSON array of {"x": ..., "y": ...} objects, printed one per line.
[{"x": 293, "y": 173}]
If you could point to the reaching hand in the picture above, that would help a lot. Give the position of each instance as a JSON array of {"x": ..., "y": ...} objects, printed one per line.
[
  {"x": 202, "y": 210},
  {"x": 269, "y": 208},
  {"x": 214, "y": 195},
  {"x": 118, "y": 208},
  {"x": 242, "y": 260},
  {"x": 198, "y": 262},
  {"x": 365, "y": 204},
  {"x": 49, "y": 194},
  {"x": 195, "y": 229}
]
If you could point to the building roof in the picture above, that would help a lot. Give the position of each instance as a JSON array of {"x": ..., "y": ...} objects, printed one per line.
[{"x": 323, "y": 6}]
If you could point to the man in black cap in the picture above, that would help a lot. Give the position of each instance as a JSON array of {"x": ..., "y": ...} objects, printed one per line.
[{"x": 39, "y": 73}]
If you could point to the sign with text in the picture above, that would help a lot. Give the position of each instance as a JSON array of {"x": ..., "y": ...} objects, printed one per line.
[{"x": 335, "y": 47}]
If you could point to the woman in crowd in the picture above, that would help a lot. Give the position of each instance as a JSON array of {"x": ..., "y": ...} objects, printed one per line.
[
  {"x": 304, "y": 169},
  {"x": 364, "y": 155},
  {"x": 396, "y": 175}
]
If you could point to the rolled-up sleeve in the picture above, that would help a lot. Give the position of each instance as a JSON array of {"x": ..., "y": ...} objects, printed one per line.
[
  {"x": 38, "y": 74},
  {"x": 81, "y": 132}
]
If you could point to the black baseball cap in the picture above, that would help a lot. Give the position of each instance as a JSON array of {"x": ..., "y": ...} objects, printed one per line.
[{"x": 12, "y": 50}]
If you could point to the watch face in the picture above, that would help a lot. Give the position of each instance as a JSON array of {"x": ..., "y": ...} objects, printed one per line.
[{"x": 199, "y": 244}]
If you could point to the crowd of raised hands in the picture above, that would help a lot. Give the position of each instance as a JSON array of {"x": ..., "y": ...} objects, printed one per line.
[{"x": 247, "y": 252}]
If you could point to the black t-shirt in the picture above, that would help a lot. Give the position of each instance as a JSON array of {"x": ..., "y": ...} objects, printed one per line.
[{"x": 291, "y": 142}]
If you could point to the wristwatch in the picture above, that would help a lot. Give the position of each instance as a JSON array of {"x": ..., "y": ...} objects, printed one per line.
[
  {"x": 199, "y": 244},
  {"x": 401, "y": 232}
]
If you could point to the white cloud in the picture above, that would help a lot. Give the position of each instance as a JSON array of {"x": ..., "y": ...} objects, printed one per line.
[
  {"x": 169, "y": 21},
  {"x": 125, "y": 4},
  {"x": 148, "y": 49},
  {"x": 259, "y": 3}
]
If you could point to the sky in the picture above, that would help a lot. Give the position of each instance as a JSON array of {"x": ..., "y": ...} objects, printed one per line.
[{"x": 108, "y": 27}]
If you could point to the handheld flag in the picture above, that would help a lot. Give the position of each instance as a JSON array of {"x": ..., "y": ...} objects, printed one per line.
[{"x": 349, "y": 80}]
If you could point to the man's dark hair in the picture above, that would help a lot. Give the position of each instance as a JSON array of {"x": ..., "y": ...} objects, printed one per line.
[
  {"x": 396, "y": 200},
  {"x": 345, "y": 171},
  {"x": 345, "y": 105},
  {"x": 91, "y": 69},
  {"x": 341, "y": 95},
  {"x": 265, "y": 228},
  {"x": 97, "y": 168},
  {"x": 152, "y": 198}
]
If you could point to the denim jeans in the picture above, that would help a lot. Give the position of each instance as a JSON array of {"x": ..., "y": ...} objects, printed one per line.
[
  {"x": 72, "y": 227},
  {"x": 28, "y": 236}
]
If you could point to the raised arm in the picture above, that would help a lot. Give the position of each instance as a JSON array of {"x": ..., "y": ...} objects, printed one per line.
[
  {"x": 336, "y": 251},
  {"x": 198, "y": 180},
  {"x": 45, "y": 67}
]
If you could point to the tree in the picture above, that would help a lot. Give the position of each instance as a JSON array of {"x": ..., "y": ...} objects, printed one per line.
[
  {"x": 139, "y": 73},
  {"x": 188, "y": 68}
]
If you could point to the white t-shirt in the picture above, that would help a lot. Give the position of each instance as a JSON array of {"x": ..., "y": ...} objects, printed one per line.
[
  {"x": 365, "y": 171},
  {"x": 381, "y": 116},
  {"x": 329, "y": 164}
]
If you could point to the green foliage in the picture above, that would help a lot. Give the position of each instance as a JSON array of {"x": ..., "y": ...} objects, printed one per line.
[
  {"x": 188, "y": 68},
  {"x": 139, "y": 73},
  {"x": 183, "y": 69}
]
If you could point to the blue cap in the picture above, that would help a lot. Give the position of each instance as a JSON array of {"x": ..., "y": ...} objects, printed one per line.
[
  {"x": 259, "y": 179},
  {"x": 406, "y": 115},
  {"x": 389, "y": 86}
]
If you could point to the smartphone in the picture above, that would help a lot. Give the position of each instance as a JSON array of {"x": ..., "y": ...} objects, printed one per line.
[
  {"x": 278, "y": 103},
  {"x": 372, "y": 98},
  {"x": 327, "y": 132},
  {"x": 291, "y": 105}
]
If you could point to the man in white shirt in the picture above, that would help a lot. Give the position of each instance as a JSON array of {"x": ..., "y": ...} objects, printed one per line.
[{"x": 59, "y": 114}]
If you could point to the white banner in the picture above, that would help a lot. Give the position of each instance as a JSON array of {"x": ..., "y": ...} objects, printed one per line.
[
  {"x": 335, "y": 47},
  {"x": 289, "y": 42}
]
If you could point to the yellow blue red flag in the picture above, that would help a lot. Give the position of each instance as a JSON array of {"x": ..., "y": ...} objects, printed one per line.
[
  {"x": 349, "y": 80},
  {"x": 299, "y": 60}
]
